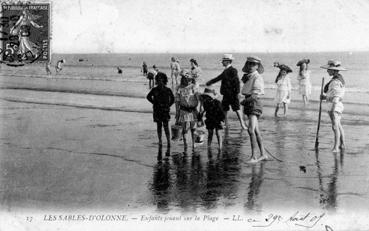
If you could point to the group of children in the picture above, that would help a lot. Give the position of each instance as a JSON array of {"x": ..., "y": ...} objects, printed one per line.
[
  {"x": 284, "y": 87},
  {"x": 191, "y": 105}
]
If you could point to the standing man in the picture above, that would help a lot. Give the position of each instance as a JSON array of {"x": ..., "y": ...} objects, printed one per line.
[{"x": 229, "y": 88}]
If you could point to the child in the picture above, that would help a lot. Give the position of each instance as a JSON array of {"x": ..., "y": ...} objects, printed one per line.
[
  {"x": 304, "y": 80},
  {"x": 144, "y": 68},
  {"x": 162, "y": 98},
  {"x": 334, "y": 91},
  {"x": 175, "y": 70},
  {"x": 252, "y": 89},
  {"x": 187, "y": 102},
  {"x": 283, "y": 82},
  {"x": 214, "y": 114}
]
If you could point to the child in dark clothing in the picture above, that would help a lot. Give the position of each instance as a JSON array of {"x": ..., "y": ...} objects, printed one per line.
[
  {"x": 214, "y": 115},
  {"x": 162, "y": 98}
]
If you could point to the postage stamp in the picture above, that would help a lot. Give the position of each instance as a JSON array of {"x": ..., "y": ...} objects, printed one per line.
[{"x": 25, "y": 33}]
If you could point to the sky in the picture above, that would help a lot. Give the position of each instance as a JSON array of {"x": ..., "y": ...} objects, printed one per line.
[{"x": 188, "y": 26}]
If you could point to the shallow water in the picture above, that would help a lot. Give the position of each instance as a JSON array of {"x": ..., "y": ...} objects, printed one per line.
[{"x": 87, "y": 159}]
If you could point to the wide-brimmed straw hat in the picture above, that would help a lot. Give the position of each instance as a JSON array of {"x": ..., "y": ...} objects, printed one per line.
[
  {"x": 254, "y": 59},
  {"x": 302, "y": 61},
  {"x": 227, "y": 57},
  {"x": 210, "y": 92},
  {"x": 334, "y": 65},
  {"x": 283, "y": 67}
]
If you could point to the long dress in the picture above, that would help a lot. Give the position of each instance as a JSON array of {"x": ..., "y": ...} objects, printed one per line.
[
  {"x": 283, "y": 94},
  {"x": 304, "y": 83},
  {"x": 23, "y": 27}
]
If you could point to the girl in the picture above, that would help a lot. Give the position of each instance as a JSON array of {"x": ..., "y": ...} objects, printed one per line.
[
  {"x": 175, "y": 70},
  {"x": 304, "y": 80},
  {"x": 162, "y": 98},
  {"x": 252, "y": 89},
  {"x": 283, "y": 82},
  {"x": 186, "y": 105},
  {"x": 195, "y": 72},
  {"x": 214, "y": 114},
  {"x": 334, "y": 91}
]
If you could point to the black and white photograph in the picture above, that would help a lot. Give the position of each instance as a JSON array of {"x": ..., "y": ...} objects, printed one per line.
[{"x": 184, "y": 115}]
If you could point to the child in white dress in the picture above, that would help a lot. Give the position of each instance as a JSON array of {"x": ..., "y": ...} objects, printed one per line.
[
  {"x": 304, "y": 80},
  {"x": 283, "y": 95}
]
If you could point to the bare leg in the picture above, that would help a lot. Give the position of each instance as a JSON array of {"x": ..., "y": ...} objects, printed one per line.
[
  {"x": 219, "y": 138},
  {"x": 226, "y": 118},
  {"x": 336, "y": 131},
  {"x": 239, "y": 115},
  {"x": 276, "y": 110},
  {"x": 158, "y": 129},
  {"x": 251, "y": 131},
  {"x": 304, "y": 98},
  {"x": 259, "y": 139},
  {"x": 184, "y": 133},
  {"x": 342, "y": 133},
  {"x": 210, "y": 137},
  {"x": 285, "y": 109},
  {"x": 167, "y": 133},
  {"x": 193, "y": 137}
]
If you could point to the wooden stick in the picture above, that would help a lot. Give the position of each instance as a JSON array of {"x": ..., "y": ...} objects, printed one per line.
[{"x": 320, "y": 114}]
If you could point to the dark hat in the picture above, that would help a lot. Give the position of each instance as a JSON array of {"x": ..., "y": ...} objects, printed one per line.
[
  {"x": 254, "y": 59},
  {"x": 302, "y": 61},
  {"x": 334, "y": 65},
  {"x": 283, "y": 67}
]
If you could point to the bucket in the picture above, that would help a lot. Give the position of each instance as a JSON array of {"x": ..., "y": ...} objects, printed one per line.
[
  {"x": 176, "y": 132},
  {"x": 199, "y": 136}
]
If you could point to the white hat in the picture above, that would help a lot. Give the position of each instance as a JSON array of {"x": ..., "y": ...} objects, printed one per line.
[
  {"x": 227, "y": 57},
  {"x": 334, "y": 65}
]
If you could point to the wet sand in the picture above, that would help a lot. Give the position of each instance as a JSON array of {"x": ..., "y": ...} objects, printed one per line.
[{"x": 76, "y": 157}]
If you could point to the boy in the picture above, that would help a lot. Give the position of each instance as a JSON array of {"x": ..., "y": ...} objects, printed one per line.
[
  {"x": 162, "y": 99},
  {"x": 214, "y": 115},
  {"x": 252, "y": 89}
]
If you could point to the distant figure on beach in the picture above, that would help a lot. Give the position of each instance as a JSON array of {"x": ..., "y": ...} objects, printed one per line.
[
  {"x": 162, "y": 99},
  {"x": 229, "y": 88},
  {"x": 187, "y": 101},
  {"x": 334, "y": 91},
  {"x": 252, "y": 89},
  {"x": 144, "y": 69},
  {"x": 151, "y": 76},
  {"x": 22, "y": 28},
  {"x": 175, "y": 70},
  {"x": 214, "y": 114},
  {"x": 120, "y": 71},
  {"x": 59, "y": 65},
  {"x": 304, "y": 80},
  {"x": 47, "y": 68},
  {"x": 195, "y": 72},
  {"x": 283, "y": 94}
]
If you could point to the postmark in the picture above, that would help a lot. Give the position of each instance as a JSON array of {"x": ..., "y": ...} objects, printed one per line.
[{"x": 25, "y": 33}]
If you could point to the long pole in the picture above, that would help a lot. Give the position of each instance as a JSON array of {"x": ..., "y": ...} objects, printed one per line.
[{"x": 320, "y": 114}]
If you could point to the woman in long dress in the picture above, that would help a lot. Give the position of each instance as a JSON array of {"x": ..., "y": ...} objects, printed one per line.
[
  {"x": 22, "y": 28},
  {"x": 303, "y": 78}
]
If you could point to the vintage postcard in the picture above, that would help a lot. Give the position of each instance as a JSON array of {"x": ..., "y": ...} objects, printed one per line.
[{"x": 184, "y": 115}]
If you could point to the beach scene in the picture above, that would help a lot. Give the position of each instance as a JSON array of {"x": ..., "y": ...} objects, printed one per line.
[{"x": 81, "y": 140}]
